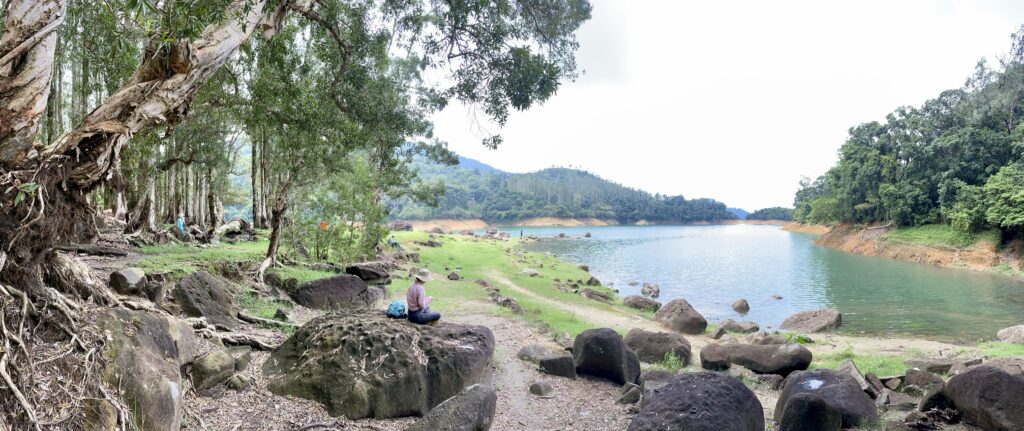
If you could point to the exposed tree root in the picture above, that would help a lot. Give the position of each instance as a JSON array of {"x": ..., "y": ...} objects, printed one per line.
[{"x": 226, "y": 336}]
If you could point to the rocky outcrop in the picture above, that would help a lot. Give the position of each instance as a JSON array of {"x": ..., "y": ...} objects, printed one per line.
[
  {"x": 596, "y": 295},
  {"x": 371, "y": 273},
  {"x": 218, "y": 366},
  {"x": 680, "y": 316},
  {"x": 204, "y": 295},
  {"x": 700, "y": 401},
  {"x": 741, "y": 327},
  {"x": 837, "y": 390},
  {"x": 824, "y": 319},
  {"x": 390, "y": 367},
  {"x": 145, "y": 353},
  {"x": 128, "y": 281},
  {"x": 641, "y": 303},
  {"x": 989, "y": 398},
  {"x": 470, "y": 410},
  {"x": 1013, "y": 334},
  {"x": 602, "y": 353},
  {"x": 780, "y": 359},
  {"x": 653, "y": 346},
  {"x": 340, "y": 292}
]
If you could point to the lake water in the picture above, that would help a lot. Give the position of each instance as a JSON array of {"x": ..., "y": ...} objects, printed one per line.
[{"x": 712, "y": 266}]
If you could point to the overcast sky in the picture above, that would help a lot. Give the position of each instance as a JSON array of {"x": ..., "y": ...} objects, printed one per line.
[{"x": 736, "y": 100}]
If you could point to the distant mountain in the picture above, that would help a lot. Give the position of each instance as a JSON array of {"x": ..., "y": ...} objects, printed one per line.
[
  {"x": 740, "y": 213},
  {"x": 474, "y": 190}
]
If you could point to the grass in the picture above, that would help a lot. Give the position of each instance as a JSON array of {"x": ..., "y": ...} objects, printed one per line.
[
  {"x": 302, "y": 274},
  {"x": 881, "y": 365},
  {"x": 994, "y": 349},
  {"x": 186, "y": 259},
  {"x": 672, "y": 362},
  {"x": 941, "y": 235}
]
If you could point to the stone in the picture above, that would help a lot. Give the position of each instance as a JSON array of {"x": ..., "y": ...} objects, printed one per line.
[
  {"x": 541, "y": 388},
  {"x": 931, "y": 365},
  {"x": 719, "y": 333},
  {"x": 641, "y": 303},
  {"x": 770, "y": 381},
  {"x": 483, "y": 283},
  {"x": 922, "y": 379},
  {"x": 809, "y": 412},
  {"x": 740, "y": 327},
  {"x": 584, "y": 267},
  {"x": 273, "y": 279},
  {"x": 650, "y": 290},
  {"x": 631, "y": 396},
  {"x": 741, "y": 306},
  {"x": 156, "y": 292},
  {"x": 1013, "y": 334},
  {"x": 595, "y": 295},
  {"x": 282, "y": 315},
  {"x": 558, "y": 364},
  {"x": 100, "y": 415},
  {"x": 340, "y": 292},
  {"x": 205, "y": 295},
  {"x": 239, "y": 382},
  {"x": 212, "y": 369},
  {"x": 400, "y": 225},
  {"x": 851, "y": 370},
  {"x": 454, "y": 276},
  {"x": 414, "y": 367},
  {"x": 533, "y": 353},
  {"x": 144, "y": 355},
  {"x": 700, "y": 401},
  {"x": 370, "y": 273},
  {"x": 781, "y": 359},
  {"x": 593, "y": 281},
  {"x": 242, "y": 355},
  {"x": 471, "y": 410},
  {"x": 876, "y": 384},
  {"x": 509, "y": 303},
  {"x": 529, "y": 272},
  {"x": 893, "y": 383},
  {"x": 1014, "y": 365},
  {"x": 989, "y": 398},
  {"x": 714, "y": 357},
  {"x": 655, "y": 375},
  {"x": 128, "y": 281},
  {"x": 777, "y": 297},
  {"x": 824, "y": 319},
  {"x": 766, "y": 338},
  {"x": 652, "y": 347},
  {"x": 680, "y": 316},
  {"x": 839, "y": 391},
  {"x": 603, "y": 353}
]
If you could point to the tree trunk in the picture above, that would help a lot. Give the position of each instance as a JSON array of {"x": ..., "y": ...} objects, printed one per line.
[
  {"x": 253, "y": 174},
  {"x": 27, "y": 49},
  {"x": 276, "y": 223}
]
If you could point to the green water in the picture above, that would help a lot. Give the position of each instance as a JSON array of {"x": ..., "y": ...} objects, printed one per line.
[{"x": 712, "y": 266}]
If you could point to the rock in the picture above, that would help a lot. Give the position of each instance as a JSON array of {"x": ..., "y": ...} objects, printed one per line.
[
  {"x": 741, "y": 327},
  {"x": 741, "y": 306},
  {"x": 156, "y": 292},
  {"x": 541, "y": 389},
  {"x": 128, "y": 281},
  {"x": 369, "y": 273},
  {"x": 893, "y": 383},
  {"x": 641, "y": 303},
  {"x": 204, "y": 295},
  {"x": 558, "y": 364},
  {"x": 454, "y": 276},
  {"x": 587, "y": 235},
  {"x": 529, "y": 272},
  {"x": 470, "y": 410},
  {"x": 922, "y": 379},
  {"x": 780, "y": 359},
  {"x": 632, "y": 394},
  {"x": 533, "y": 353},
  {"x": 239, "y": 382},
  {"x": 273, "y": 279},
  {"x": 680, "y": 316},
  {"x": 989, "y": 398},
  {"x": 602, "y": 353},
  {"x": 650, "y": 290},
  {"x": 839, "y": 391},
  {"x": 1014, "y": 365},
  {"x": 777, "y": 297},
  {"x": 714, "y": 357},
  {"x": 416, "y": 367},
  {"x": 935, "y": 399},
  {"x": 508, "y": 303},
  {"x": 282, "y": 315},
  {"x": 212, "y": 369},
  {"x": 850, "y": 369},
  {"x": 593, "y": 281},
  {"x": 700, "y": 401},
  {"x": 655, "y": 375},
  {"x": 809, "y": 412},
  {"x": 770, "y": 381},
  {"x": 100, "y": 415},
  {"x": 242, "y": 355},
  {"x": 931, "y": 365},
  {"x": 437, "y": 230},
  {"x": 340, "y": 292},
  {"x": 483, "y": 283},
  {"x": 400, "y": 225},
  {"x": 766, "y": 338},
  {"x": 1013, "y": 334},
  {"x": 876, "y": 384},
  {"x": 584, "y": 267},
  {"x": 144, "y": 354},
  {"x": 595, "y": 295},
  {"x": 824, "y": 319},
  {"x": 653, "y": 346},
  {"x": 719, "y": 333}
]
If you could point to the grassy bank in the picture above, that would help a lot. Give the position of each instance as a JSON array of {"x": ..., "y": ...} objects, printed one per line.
[{"x": 942, "y": 235}]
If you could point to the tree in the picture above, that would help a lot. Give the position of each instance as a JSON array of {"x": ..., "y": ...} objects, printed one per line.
[{"x": 1004, "y": 197}]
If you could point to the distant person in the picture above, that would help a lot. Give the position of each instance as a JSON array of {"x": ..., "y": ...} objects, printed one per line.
[
  {"x": 394, "y": 243},
  {"x": 180, "y": 221},
  {"x": 418, "y": 303},
  {"x": 520, "y": 234}
]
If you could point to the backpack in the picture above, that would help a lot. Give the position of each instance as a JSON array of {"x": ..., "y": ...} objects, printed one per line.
[{"x": 396, "y": 310}]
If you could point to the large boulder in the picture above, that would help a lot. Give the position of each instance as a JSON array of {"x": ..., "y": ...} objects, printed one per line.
[
  {"x": 601, "y": 352},
  {"x": 653, "y": 346},
  {"x": 470, "y": 410},
  {"x": 680, "y": 316},
  {"x": 714, "y": 357},
  {"x": 389, "y": 367},
  {"x": 989, "y": 398},
  {"x": 204, "y": 295},
  {"x": 839, "y": 391},
  {"x": 641, "y": 303},
  {"x": 144, "y": 354},
  {"x": 213, "y": 369},
  {"x": 820, "y": 320},
  {"x": 780, "y": 359},
  {"x": 741, "y": 327},
  {"x": 1013, "y": 334},
  {"x": 700, "y": 402},
  {"x": 340, "y": 292},
  {"x": 370, "y": 273},
  {"x": 809, "y": 412},
  {"x": 128, "y": 281}
]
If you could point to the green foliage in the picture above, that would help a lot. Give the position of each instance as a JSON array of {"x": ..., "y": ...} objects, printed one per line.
[
  {"x": 940, "y": 235},
  {"x": 259, "y": 306},
  {"x": 994, "y": 349},
  {"x": 773, "y": 213},
  {"x": 882, "y": 365},
  {"x": 672, "y": 362},
  {"x": 1004, "y": 197}
]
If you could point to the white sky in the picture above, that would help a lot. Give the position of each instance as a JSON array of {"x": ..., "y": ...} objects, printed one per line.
[{"x": 735, "y": 100}]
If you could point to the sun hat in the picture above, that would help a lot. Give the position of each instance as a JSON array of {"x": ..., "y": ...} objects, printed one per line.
[{"x": 423, "y": 275}]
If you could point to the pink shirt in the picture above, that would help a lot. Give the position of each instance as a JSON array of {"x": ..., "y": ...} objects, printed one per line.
[{"x": 416, "y": 297}]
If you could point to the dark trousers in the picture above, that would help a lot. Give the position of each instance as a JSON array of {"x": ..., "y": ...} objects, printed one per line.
[{"x": 424, "y": 316}]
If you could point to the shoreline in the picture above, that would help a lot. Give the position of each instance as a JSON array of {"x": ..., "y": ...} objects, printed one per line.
[{"x": 452, "y": 225}]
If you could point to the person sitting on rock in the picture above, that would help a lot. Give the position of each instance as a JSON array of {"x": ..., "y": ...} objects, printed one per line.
[
  {"x": 418, "y": 303},
  {"x": 394, "y": 243}
]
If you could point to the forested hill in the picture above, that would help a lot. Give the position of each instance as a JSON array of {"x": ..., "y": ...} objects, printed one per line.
[{"x": 474, "y": 190}]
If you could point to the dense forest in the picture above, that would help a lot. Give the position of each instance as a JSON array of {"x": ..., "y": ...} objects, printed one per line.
[
  {"x": 473, "y": 190},
  {"x": 956, "y": 159},
  {"x": 773, "y": 213}
]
